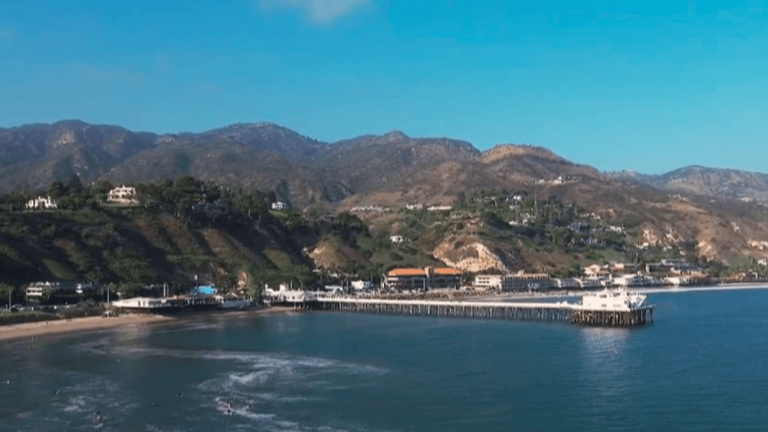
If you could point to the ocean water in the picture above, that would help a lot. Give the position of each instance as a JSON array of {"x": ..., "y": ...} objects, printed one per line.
[{"x": 703, "y": 366}]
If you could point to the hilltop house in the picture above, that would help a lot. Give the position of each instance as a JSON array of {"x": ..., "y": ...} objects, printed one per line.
[
  {"x": 122, "y": 195},
  {"x": 42, "y": 203}
]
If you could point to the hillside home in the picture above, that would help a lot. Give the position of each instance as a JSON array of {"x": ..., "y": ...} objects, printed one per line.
[
  {"x": 123, "y": 195},
  {"x": 42, "y": 203},
  {"x": 369, "y": 208},
  {"x": 280, "y": 205},
  {"x": 596, "y": 271},
  {"x": 439, "y": 208},
  {"x": 396, "y": 239}
]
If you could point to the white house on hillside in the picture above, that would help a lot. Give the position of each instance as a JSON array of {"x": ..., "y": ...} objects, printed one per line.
[
  {"x": 279, "y": 205},
  {"x": 42, "y": 203},
  {"x": 122, "y": 195}
]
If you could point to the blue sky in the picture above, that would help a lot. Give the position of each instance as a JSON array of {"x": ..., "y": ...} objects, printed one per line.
[{"x": 645, "y": 85}]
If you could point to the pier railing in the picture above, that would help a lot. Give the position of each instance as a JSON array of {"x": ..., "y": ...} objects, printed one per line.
[{"x": 493, "y": 310}]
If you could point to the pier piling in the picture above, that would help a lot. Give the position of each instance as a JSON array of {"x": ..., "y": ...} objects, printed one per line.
[{"x": 574, "y": 314}]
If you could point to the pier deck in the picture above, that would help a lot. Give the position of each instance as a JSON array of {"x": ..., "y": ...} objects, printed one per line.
[{"x": 573, "y": 313}]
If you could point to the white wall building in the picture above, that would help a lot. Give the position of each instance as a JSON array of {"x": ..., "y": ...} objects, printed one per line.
[
  {"x": 279, "y": 205},
  {"x": 361, "y": 285},
  {"x": 42, "y": 203},
  {"x": 38, "y": 289},
  {"x": 515, "y": 282},
  {"x": 439, "y": 208},
  {"x": 396, "y": 239},
  {"x": 567, "y": 283},
  {"x": 84, "y": 287},
  {"x": 287, "y": 295},
  {"x": 488, "y": 281},
  {"x": 122, "y": 195}
]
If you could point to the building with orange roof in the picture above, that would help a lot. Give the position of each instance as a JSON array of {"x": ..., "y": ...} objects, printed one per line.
[{"x": 423, "y": 279}]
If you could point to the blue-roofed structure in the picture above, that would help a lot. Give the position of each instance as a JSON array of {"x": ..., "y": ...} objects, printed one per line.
[{"x": 205, "y": 290}]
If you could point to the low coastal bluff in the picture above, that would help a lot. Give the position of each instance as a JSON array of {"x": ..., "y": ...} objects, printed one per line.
[{"x": 614, "y": 308}]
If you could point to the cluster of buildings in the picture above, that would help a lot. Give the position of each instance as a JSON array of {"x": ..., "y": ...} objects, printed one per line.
[
  {"x": 425, "y": 279},
  {"x": 560, "y": 180},
  {"x": 369, "y": 208},
  {"x": 125, "y": 195},
  {"x": 41, "y": 289},
  {"x": 42, "y": 203}
]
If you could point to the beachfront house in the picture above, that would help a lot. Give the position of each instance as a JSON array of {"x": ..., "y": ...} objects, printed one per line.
[
  {"x": 361, "y": 285},
  {"x": 567, "y": 283},
  {"x": 42, "y": 203},
  {"x": 286, "y": 295},
  {"x": 425, "y": 279},
  {"x": 85, "y": 287},
  {"x": 527, "y": 281},
  {"x": 488, "y": 282},
  {"x": 520, "y": 281},
  {"x": 39, "y": 289}
]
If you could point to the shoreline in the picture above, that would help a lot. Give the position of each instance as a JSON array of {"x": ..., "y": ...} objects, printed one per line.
[
  {"x": 641, "y": 290},
  {"x": 61, "y": 328}
]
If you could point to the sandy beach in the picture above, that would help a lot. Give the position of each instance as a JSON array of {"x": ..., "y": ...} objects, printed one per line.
[{"x": 79, "y": 325}]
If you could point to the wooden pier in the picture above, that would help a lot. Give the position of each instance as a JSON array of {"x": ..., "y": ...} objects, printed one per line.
[{"x": 572, "y": 313}]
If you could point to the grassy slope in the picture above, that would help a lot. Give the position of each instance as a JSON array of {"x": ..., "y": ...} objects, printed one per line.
[{"x": 135, "y": 246}]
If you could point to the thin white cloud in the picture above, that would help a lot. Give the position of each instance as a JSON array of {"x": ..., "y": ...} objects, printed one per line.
[{"x": 319, "y": 11}]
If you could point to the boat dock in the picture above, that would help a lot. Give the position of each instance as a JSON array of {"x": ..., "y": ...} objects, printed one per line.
[{"x": 573, "y": 313}]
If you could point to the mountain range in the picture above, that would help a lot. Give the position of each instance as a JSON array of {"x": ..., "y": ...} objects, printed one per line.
[
  {"x": 694, "y": 204},
  {"x": 304, "y": 170}
]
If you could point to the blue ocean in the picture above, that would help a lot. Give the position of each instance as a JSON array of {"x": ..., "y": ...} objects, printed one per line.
[{"x": 702, "y": 366}]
